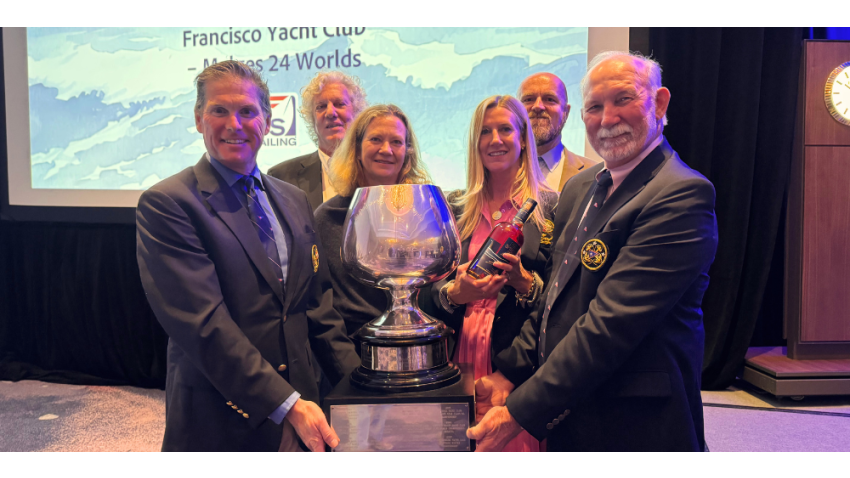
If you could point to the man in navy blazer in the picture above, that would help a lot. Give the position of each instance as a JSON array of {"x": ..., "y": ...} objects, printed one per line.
[
  {"x": 611, "y": 360},
  {"x": 242, "y": 312}
]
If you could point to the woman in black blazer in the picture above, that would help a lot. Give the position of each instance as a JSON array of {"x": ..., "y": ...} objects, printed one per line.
[
  {"x": 380, "y": 132},
  {"x": 502, "y": 172}
]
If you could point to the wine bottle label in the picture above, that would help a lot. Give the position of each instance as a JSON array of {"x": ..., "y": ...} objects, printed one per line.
[{"x": 493, "y": 253}]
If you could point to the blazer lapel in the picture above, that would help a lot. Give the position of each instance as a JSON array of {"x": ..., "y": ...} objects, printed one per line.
[
  {"x": 572, "y": 166},
  {"x": 300, "y": 262},
  {"x": 572, "y": 221},
  {"x": 225, "y": 204},
  {"x": 464, "y": 251},
  {"x": 311, "y": 169},
  {"x": 631, "y": 186}
]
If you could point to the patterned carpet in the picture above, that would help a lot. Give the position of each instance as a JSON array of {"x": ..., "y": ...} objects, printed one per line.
[{"x": 39, "y": 416}]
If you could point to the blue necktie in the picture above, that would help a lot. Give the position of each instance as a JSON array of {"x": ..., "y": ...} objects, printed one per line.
[
  {"x": 572, "y": 258},
  {"x": 262, "y": 223}
]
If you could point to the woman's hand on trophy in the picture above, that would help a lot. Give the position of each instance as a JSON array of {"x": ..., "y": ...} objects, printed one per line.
[
  {"x": 467, "y": 288},
  {"x": 517, "y": 277}
]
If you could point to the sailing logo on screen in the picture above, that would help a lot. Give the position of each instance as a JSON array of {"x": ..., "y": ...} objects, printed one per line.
[{"x": 283, "y": 129}]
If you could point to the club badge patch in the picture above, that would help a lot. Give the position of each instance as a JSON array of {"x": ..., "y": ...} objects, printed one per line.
[
  {"x": 593, "y": 254},
  {"x": 315, "y": 258},
  {"x": 546, "y": 233}
]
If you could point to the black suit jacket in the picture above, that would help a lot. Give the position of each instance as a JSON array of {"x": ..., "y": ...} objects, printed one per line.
[
  {"x": 509, "y": 316},
  {"x": 303, "y": 172},
  {"x": 624, "y": 343},
  {"x": 356, "y": 302},
  {"x": 239, "y": 345}
]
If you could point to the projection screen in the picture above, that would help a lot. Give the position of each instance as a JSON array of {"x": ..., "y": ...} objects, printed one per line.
[{"x": 97, "y": 115}]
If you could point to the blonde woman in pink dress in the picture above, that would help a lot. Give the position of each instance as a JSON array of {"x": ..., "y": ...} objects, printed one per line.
[{"x": 502, "y": 172}]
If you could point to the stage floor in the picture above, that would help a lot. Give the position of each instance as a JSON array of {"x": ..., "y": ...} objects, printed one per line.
[{"x": 39, "y": 416}]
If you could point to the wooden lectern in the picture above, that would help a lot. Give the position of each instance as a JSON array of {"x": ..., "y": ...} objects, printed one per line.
[{"x": 817, "y": 256}]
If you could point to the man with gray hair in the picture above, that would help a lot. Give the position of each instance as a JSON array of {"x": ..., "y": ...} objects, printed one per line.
[
  {"x": 611, "y": 360},
  {"x": 544, "y": 96},
  {"x": 329, "y": 103},
  {"x": 233, "y": 270}
]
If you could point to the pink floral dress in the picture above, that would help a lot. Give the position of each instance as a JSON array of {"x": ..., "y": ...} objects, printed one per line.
[{"x": 474, "y": 342}]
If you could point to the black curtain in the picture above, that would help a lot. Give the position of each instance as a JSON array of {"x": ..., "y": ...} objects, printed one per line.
[
  {"x": 732, "y": 116},
  {"x": 74, "y": 307}
]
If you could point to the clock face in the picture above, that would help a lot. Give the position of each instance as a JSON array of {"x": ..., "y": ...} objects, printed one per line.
[{"x": 837, "y": 93}]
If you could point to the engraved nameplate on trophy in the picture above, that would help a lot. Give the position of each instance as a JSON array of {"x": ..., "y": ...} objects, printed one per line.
[{"x": 402, "y": 427}]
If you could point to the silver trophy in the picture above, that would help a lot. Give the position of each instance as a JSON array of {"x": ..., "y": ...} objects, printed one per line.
[{"x": 400, "y": 238}]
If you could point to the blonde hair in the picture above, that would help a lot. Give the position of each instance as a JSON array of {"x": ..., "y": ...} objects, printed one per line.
[
  {"x": 345, "y": 169},
  {"x": 234, "y": 69},
  {"x": 312, "y": 89},
  {"x": 529, "y": 181}
]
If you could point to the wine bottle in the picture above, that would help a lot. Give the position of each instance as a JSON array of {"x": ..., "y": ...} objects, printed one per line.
[{"x": 505, "y": 238}]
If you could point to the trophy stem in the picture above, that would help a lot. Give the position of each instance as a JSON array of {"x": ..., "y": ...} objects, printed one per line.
[
  {"x": 404, "y": 349},
  {"x": 404, "y": 309},
  {"x": 404, "y": 319}
]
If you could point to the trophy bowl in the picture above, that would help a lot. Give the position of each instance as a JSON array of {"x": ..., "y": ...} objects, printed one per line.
[{"x": 400, "y": 238}]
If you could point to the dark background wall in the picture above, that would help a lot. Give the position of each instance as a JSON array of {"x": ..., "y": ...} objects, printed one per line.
[{"x": 72, "y": 308}]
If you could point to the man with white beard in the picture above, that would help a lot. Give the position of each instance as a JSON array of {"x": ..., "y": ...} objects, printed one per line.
[
  {"x": 544, "y": 96},
  {"x": 611, "y": 360}
]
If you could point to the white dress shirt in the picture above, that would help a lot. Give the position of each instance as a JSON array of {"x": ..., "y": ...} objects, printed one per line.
[
  {"x": 620, "y": 173},
  {"x": 328, "y": 190},
  {"x": 552, "y": 165}
]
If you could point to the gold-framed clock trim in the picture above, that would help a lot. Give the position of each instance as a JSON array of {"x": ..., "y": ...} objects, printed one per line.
[{"x": 827, "y": 92}]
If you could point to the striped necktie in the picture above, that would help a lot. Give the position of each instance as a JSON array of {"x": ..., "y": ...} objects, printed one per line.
[
  {"x": 572, "y": 257},
  {"x": 261, "y": 223}
]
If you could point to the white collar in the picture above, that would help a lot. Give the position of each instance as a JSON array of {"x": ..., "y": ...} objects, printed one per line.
[
  {"x": 553, "y": 156},
  {"x": 325, "y": 159},
  {"x": 620, "y": 173}
]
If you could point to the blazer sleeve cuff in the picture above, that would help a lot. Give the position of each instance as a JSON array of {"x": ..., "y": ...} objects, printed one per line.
[
  {"x": 535, "y": 410},
  {"x": 280, "y": 412},
  {"x": 430, "y": 303},
  {"x": 284, "y": 393},
  {"x": 517, "y": 374},
  {"x": 523, "y": 414}
]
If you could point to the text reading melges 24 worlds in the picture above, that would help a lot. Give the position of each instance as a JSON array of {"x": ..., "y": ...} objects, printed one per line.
[{"x": 276, "y": 35}]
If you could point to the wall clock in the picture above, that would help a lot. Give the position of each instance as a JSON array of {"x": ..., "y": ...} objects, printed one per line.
[{"x": 836, "y": 93}]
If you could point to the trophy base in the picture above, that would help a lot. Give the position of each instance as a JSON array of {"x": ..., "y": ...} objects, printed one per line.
[
  {"x": 398, "y": 382},
  {"x": 403, "y": 364},
  {"x": 415, "y": 420}
]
